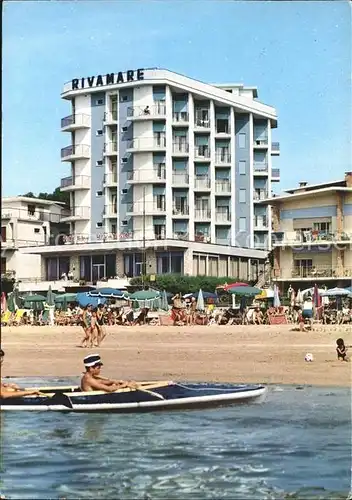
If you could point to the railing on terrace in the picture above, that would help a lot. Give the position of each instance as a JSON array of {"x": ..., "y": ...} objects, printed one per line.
[
  {"x": 110, "y": 147},
  {"x": 180, "y": 147},
  {"x": 260, "y": 221},
  {"x": 147, "y": 175},
  {"x": 78, "y": 120},
  {"x": 177, "y": 210},
  {"x": 110, "y": 116},
  {"x": 202, "y": 152},
  {"x": 180, "y": 178},
  {"x": 181, "y": 236},
  {"x": 275, "y": 172},
  {"x": 180, "y": 116},
  {"x": 222, "y": 216},
  {"x": 223, "y": 186},
  {"x": 77, "y": 181},
  {"x": 147, "y": 142},
  {"x": 320, "y": 271},
  {"x": 262, "y": 141},
  {"x": 223, "y": 157},
  {"x": 80, "y": 150},
  {"x": 110, "y": 209},
  {"x": 202, "y": 214},
  {"x": 261, "y": 194},
  {"x": 275, "y": 146},
  {"x": 201, "y": 182},
  {"x": 110, "y": 178},
  {"x": 79, "y": 212},
  {"x": 309, "y": 237},
  {"x": 260, "y": 166},
  {"x": 139, "y": 207},
  {"x": 24, "y": 214},
  {"x": 157, "y": 109}
]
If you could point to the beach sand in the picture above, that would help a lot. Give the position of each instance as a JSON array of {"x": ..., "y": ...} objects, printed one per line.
[{"x": 258, "y": 354}]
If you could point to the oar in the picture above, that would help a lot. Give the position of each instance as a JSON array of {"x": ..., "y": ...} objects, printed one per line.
[
  {"x": 59, "y": 398},
  {"x": 152, "y": 393}
]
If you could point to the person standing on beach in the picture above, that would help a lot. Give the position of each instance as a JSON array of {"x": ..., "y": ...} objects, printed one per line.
[
  {"x": 87, "y": 326},
  {"x": 101, "y": 334}
]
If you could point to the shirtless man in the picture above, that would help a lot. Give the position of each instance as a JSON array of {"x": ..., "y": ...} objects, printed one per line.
[
  {"x": 92, "y": 381},
  {"x": 12, "y": 390}
]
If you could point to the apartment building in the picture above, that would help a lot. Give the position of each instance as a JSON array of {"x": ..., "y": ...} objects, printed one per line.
[
  {"x": 166, "y": 174},
  {"x": 312, "y": 234},
  {"x": 28, "y": 222}
]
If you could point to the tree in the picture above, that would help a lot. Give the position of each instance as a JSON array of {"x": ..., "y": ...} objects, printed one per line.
[{"x": 56, "y": 195}]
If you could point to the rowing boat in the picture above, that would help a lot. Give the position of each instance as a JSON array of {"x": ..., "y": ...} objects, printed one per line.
[{"x": 148, "y": 396}]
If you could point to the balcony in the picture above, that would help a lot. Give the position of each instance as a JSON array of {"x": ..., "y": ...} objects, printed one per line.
[
  {"x": 180, "y": 117},
  {"x": 180, "y": 211},
  {"x": 137, "y": 113},
  {"x": 202, "y": 214},
  {"x": 309, "y": 238},
  {"x": 180, "y": 178},
  {"x": 202, "y": 153},
  {"x": 275, "y": 174},
  {"x": 222, "y": 216},
  {"x": 110, "y": 148},
  {"x": 223, "y": 241},
  {"x": 74, "y": 122},
  {"x": 110, "y": 118},
  {"x": 260, "y": 167},
  {"x": 110, "y": 179},
  {"x": 75, "y": 183},
  {"x": 77, "y": 213},
  {"x": 202, "y": 238},
  {"x": 223, "y": 187},
  {"x": 275, "y": 149},
  {"x": 319, "y": 272},
  {"x": 138, "y": 208},
  {"x": 180, "y": 148},
  {"x": 148, "y": 176},
  {"x": 202, "y": 119},
  {"x": 180, "y": 235},
  {"x": 143, "y": 144},
  {"x": 260, "y": 222},
  {"x": 75, "y": 152},
  {"x": 223, "y": 158},
  {"x": 260, "y": 194},
  {"x": 32, "y": 216},
  {"x": 202, "y": 183},
  {"x": 261, "y": 143},
  {"x": 110, "y": 210}
]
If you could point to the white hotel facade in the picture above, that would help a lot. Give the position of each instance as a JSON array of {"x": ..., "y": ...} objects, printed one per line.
[{"x": 165, "y": 174}]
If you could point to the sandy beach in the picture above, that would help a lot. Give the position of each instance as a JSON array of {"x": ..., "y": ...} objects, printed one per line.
[{"x": 266, "y": 354}]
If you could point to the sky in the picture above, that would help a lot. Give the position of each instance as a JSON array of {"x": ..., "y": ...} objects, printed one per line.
[{"x": 298, "y": 55}]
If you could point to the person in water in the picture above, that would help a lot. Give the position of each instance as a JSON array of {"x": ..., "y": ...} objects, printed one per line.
[
  {"x": 341, "y": 350},
  {"x": 12, "y": 390},
  {"x": 93, "y": 381}
]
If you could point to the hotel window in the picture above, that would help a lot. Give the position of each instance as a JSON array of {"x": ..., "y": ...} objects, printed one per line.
[
  {"x": 99, "y": 102},
  {"x": 31, "y": 210},
  {"x": 123, "y": 98},
  {"x": 99, "y": 224},
  {"x": 99, "y": 193},
  {"x": 242, "y": 224},
  {"x": 99, "y": 163},
  {"x": 99, "y": 132},
  {"x": 3, "y": 265},
  {"x": 36, "y": 230},
  {"x": 241, "y": 141},
  {"x": 242, "y": 167},
  {"x": 242, "y": 196}
]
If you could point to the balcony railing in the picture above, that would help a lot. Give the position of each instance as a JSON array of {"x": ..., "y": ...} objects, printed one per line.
[
  {"x": 260, "y": 167},
  {"x": 110, "y": 178},
  {"x": 275, "y": 147},
  {"x": 202, "y": 214},
  {"x": 203, "y": 238},
  {"x": 180, "y": 210},
  {"x": 180, "y": 178},
  {"x": 262, "y": 141},
  {"x": 222, "y": 186},
  {"x": 110, "y": 209},
  {"x": 275, "y": 172},
  {"x": 110, "y": 147},
  {"x": 110, "y": 116},
  {"x": 201, "y": 183},
  {"x": 202, "y": 152},
  {"x": 319, "y": 271},
  {"x": 222, "y": 215},
  {"x": 151, "y": 207},
  {"x": 260, "y": 194},
  {"x": 148, "y": 175},
  {"x": 78, "y": 212},
  {"x": 260, "y": 222},
  {"x": 147, "y": 143},
  {"x": 307, "y": 238},
  {"x": 157, "y": 109},
  {"x": 180, "y": 147},
  {"x": 79, "y": 151},
  {"x": 25, "y": 214},
  {"x": 223, "y": 157},
  {"x": 78, "y": 120},
  {"x": 202, "y": 119},
  {"x": 180, "y": 116},
  {"x": 79, "y": 181},
  {"x": 223, "y": 241},
  {"x": 180, "y": 235}
]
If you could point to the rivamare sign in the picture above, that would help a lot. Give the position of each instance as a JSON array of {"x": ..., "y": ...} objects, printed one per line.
[{"x": 130, "y": 75}]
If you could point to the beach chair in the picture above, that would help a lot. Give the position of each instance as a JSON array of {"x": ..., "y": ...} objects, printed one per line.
[
  {"x": 18, "y": 319},
  {"x": 6, "y": 318},
  {"x": 44, "y": 318}
]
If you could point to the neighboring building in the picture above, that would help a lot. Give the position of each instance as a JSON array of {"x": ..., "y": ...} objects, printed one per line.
[
  {"x": 312, "y": 234},
  {"x": 28, "y": 222},
  {"x": 162, "y": 162}
]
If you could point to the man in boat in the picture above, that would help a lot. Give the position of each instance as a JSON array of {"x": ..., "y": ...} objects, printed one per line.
[
  {"x": 93, "y": 381},
  {"x": 12, "y": 390}
]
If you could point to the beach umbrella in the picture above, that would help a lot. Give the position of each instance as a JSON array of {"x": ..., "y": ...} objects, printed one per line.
[
  {"x": 277, "y": 302},
  {"x": 231, "y": 285},
  {"x": 108, "y": 293},
  {"x": 145, "y": 295},
  {"x": 164, "y": 304},
  {"x": 11, "y": 306},
  {"x": 316, "y": 296},
  {"x": 299, "y": 297},
  {"x": 34, "y": 301},
  {"x": 50, "y": 305},
  {"x": 245, "y": 290},
  {"x": 50, "y": 297},
  {"x": 200, "y": 301},
  {"x": 84, "y": 300},
  {"x": 336, "y": 292},
  {"x": 66, "y": 297},
  {"x": 267, "y": 293}
]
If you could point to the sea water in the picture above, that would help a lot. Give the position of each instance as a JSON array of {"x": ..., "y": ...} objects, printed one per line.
[{"x": 294, "y": 445}]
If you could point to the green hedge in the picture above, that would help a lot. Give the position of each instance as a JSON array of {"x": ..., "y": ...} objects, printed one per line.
[{"x": 176, "y": 283}]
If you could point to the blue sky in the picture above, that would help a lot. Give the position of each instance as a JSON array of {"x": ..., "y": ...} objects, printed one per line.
[{"x": 298, "y": 54}]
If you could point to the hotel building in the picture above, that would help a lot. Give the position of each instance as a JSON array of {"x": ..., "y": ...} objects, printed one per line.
[
  {"x": 166, "y": 175},
  {"x": 312, "y": 234}
]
